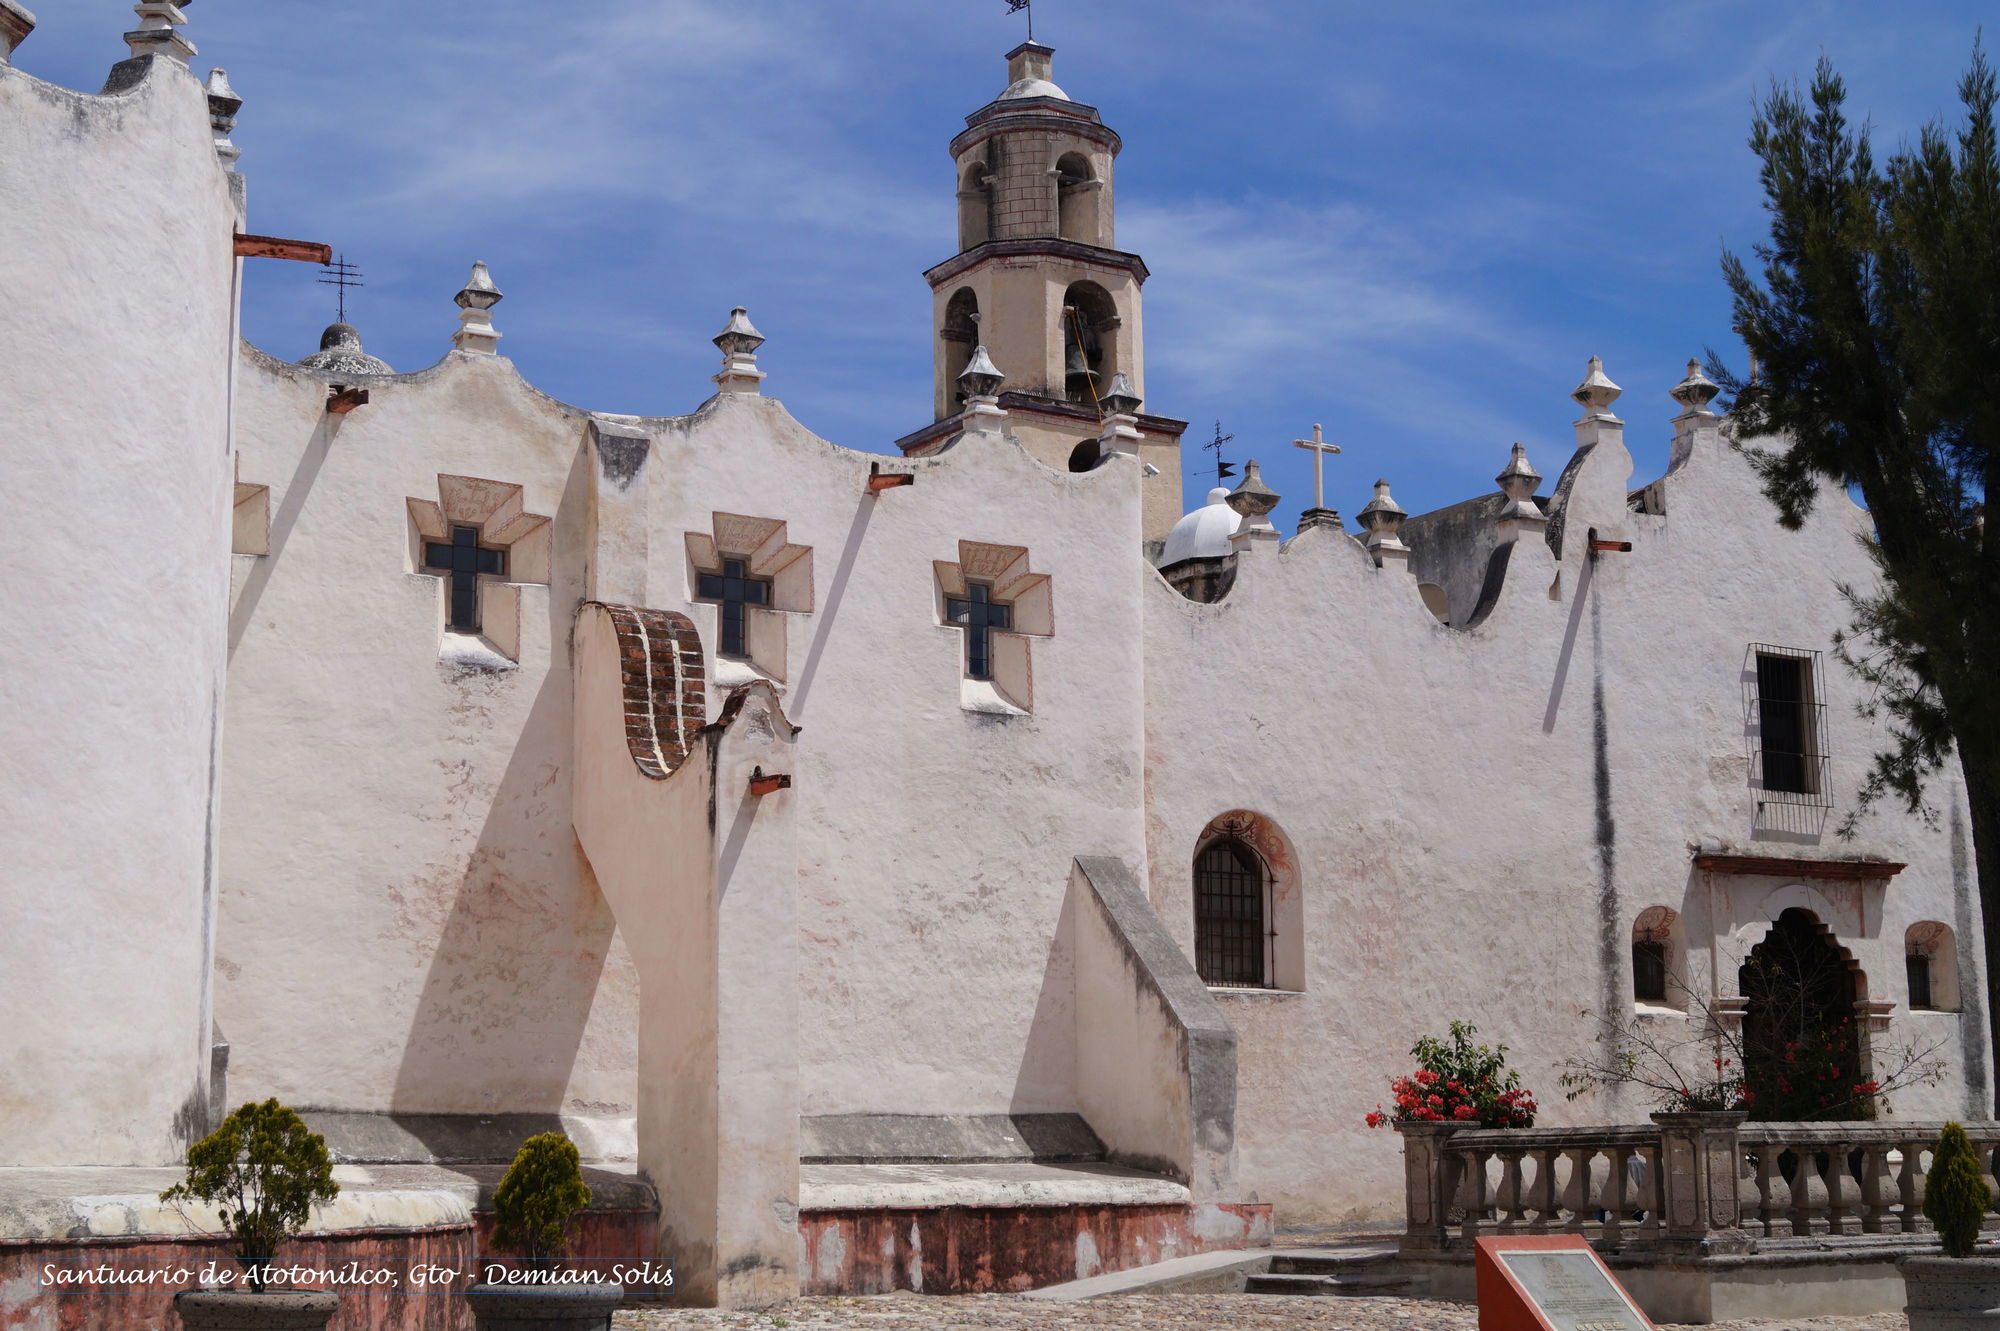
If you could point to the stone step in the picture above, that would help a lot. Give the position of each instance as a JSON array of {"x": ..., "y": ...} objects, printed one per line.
[
  {"x": 1331, "y": 1264},
  {"x": 1314, "y": 1285}
]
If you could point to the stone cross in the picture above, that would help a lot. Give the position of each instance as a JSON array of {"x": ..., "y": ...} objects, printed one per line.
[{"x": 1320, "y": 448}]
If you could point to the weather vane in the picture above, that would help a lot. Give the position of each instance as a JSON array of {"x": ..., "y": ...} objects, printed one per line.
[
  {"x": 1016, "y": 6},
  {"x": 1223, "y": 470},
  {"x": 344, "y": 275}
]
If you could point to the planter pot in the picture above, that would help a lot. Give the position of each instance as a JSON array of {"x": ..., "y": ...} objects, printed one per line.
[
  {"x": 240, "y": 1310},
  {"x": 1952, "y": 1293},
  {"x": 560, "y": 1308}
]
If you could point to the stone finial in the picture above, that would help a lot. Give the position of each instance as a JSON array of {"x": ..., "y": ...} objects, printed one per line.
[
  {"x": 1120, "y": 430},
  {"x": 475, "y": 326},
  {"x": 1596, "y": 393},
  {"x": 1695, "y": 392},
  {"x": 1254, "y": 499},
  {"x": 1695, "y": 423},
  {"x": 1382, "y": 519},
  {"x": 1517, "y": 480},
  {"x": 223, "y": 104},
  {"x": 157, "y": 33},
  {"x": 739, "y": 340},
  {"x": 1119, "y": 399},
  {"x": 15, "y": 25},
  {"x": 980, "y": 378}
]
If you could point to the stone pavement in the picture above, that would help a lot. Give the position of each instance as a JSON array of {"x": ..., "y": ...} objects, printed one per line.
[{"x": 1228, "y": 1312}]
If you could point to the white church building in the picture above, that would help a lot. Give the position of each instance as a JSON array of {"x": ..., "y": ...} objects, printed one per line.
[{"x": 961, "y": 869}]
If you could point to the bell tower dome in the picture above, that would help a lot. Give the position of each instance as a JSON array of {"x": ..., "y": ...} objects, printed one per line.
[{"x": 1039, "y": 282}]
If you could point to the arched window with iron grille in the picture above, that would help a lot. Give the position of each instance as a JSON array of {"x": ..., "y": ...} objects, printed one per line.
[{"x": 1232, "y": 915}]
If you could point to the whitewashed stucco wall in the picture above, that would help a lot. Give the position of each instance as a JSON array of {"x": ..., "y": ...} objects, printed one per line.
[
  {"x": 422, "y": 808},
  {"x": 934, "y": 843},
  {"x": 406, "y": 920},
  {"x": 117, "y": 319},
  {"x": 1439, "y": 787}
]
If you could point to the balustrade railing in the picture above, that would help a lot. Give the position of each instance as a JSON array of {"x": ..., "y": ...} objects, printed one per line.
[{"x": 1685, "y": 1182}]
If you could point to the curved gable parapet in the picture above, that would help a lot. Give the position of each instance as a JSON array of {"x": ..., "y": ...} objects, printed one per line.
[{"x": 664, "y": 683}]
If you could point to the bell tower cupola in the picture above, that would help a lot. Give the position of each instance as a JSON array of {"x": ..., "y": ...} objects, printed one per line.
[{"x": 1039, "y": 281}]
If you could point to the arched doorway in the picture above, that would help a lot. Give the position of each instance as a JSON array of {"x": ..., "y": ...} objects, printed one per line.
[{"x": 1804, "y": 1054}]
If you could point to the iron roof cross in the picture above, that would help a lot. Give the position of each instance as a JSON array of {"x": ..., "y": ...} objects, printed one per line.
[{"x": 1320, "y": 448}]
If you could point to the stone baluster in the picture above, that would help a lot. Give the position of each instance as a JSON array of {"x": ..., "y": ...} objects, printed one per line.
[
  {"x": 1542, "y": 1196},
  {"x": 1576, "y": 1194},
  {"x": 1617, "y": 1193},
  {"x": 1878, "y": 1189},
  {"x": 1507, "y": 1204},
  {"x": 1910, "y": 1186},
  {"x": 1650, "y": 1194},
  {"x": 1472, "y": 1193},
  {"x": 1772, "y": 1189},
  {"x": 1843, "y": 1194},
  {"x": 1807, "y": 1212}
]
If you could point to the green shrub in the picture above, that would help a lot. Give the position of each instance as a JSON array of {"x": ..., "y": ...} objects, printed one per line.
[
  {"x": 266, "y": 1170},
  {"x": 1955, "y": 1193},
  {"x": 540, "y": 1198}
]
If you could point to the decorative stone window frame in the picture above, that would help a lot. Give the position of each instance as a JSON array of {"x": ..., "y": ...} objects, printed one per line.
[
  {"x": 1005, "y": 568},
  {"x": 1663, "y": 925},
  {"x": 499, "y": 510},
  {"x": 1935, "y": 941},
  {"x": 765, "y": 547},
  {"x": 1285, "y": 966}
]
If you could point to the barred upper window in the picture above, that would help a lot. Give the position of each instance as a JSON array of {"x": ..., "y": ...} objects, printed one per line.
[
  {"x": 1649, "y": 971},
  {"x": 1232, "y": 915},
  {"x": 1789, "y": 724}
]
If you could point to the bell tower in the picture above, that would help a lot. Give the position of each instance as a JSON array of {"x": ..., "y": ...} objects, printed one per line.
[{"x": 1038, "y": 280}]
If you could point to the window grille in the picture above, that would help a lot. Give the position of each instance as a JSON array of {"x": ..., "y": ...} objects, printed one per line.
[
  {"x": 1785, "y": 695},
  {"x": 980, "y": 614},
  {"x": 735, "y": 589},
  {"x": 461, "y": 560},
  {"x": 1917, "y": 967},
  {"x": 1232, "y": 930},
  {"x": 1649, "y": 971}
]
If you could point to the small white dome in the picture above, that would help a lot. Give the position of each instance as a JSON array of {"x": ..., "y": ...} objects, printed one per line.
[
  {"x": 1032, "y": 88},
  {"x": 1204, "y": 533}
]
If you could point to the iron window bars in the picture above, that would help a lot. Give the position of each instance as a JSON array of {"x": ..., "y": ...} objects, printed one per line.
[
  {"x": 1232, "y": 930},
  {"x": 1784, "y": 697}
]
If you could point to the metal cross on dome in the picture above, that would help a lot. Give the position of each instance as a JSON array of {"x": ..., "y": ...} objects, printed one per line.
[
  {"x": 1320, "y": 448},
  {"x": 1223, "y": 470}
]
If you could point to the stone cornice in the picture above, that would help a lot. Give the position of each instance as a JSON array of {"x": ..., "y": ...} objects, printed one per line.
[
  {"x": 1053, "y": 246},
  {"x": 1784, "y": 866},
  {"x": 1032, "y": 113}
]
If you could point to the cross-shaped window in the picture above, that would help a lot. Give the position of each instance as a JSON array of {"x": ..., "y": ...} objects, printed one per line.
[
  {"x": 980, "y": 614},
  {"x": 735, "y": 589},
  {"x": 462, "y": 561}
]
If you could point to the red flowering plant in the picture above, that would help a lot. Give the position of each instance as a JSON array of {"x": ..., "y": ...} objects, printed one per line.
[{"x": 1457, "y": 1081}]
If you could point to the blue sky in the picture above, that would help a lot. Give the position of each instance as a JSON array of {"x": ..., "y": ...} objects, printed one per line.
[{"x": 1411, "y": 222}]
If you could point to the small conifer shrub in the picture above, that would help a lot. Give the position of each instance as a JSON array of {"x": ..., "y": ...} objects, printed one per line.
[
  {"x": 1955, "y": 1192},
  {"x": 266, "y": 1170},
  {"x": 538, "y": 1201}
]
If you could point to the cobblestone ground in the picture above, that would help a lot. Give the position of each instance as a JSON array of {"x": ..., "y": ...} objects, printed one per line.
[{"x": 1227, "y": 1312}]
